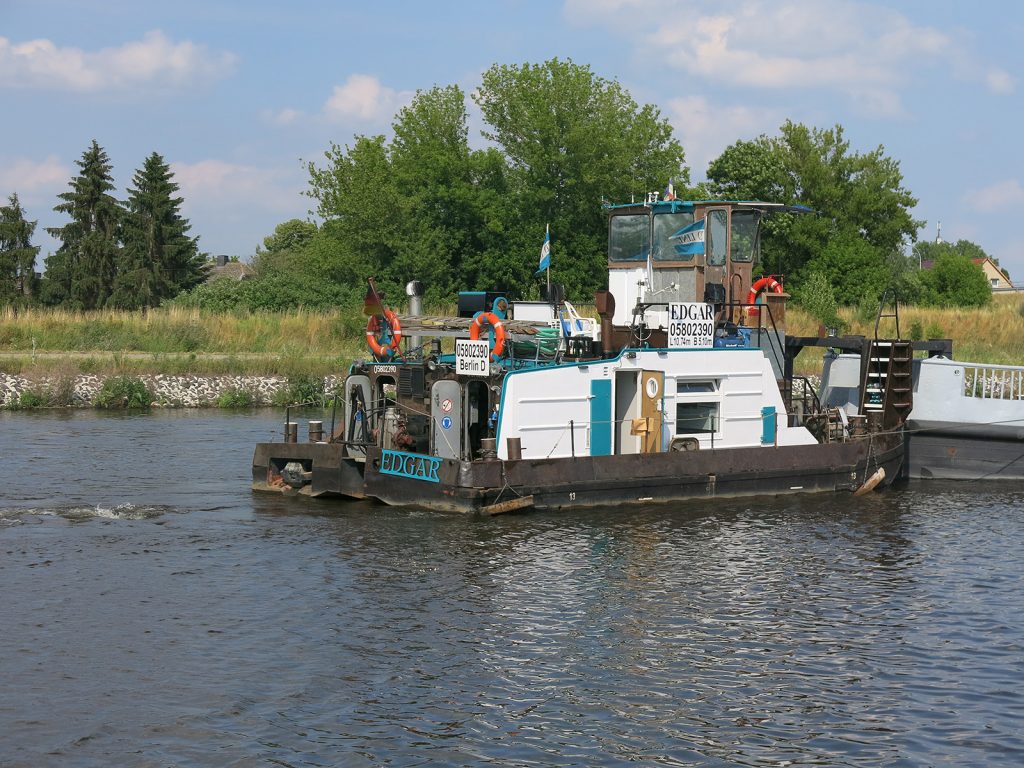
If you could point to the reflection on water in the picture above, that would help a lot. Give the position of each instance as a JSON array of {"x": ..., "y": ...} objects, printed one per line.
[{"x": 157, "y": 613}]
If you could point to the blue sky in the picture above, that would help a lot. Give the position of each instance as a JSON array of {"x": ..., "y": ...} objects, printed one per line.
[{"x": 236, "y": 95}]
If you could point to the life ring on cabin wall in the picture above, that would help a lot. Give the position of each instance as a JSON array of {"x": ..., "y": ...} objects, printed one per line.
[
  {"x": 498, "y": 350},
  {"x": 374, "y": 335},
  {"x": 765, "y": 283}
]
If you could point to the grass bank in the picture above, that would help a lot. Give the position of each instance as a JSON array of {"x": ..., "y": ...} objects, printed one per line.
[
  {"x": 193, "y": 342},
  {"x": 180, "y": 342},
  {"x": 993, "y": 334}
]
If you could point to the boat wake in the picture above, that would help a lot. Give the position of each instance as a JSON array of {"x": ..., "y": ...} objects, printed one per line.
[{"x": 81, "y": 513}]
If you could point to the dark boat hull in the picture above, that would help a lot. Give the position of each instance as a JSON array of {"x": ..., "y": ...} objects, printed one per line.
[
  {"x": 959, "y": 451},
  {"x": 330, "y": 471},
  {"x": 640, "y": 478}
]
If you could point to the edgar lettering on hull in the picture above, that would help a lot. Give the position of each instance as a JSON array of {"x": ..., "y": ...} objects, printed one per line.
[{"x": 410, "y": 465}]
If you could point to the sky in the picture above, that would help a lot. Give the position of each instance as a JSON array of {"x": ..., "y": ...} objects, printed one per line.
[{"x": 239, "y": 96}]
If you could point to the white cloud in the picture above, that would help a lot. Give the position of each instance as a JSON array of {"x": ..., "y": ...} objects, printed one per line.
[
  {"x": 869, "y": 53},
  {"x": 286, "y": 116},
  {"x": 233, "y": 206},
  {"x": 364, "y": 98},
  {"x": 222, "y": 182},
  {"x": 705, "y": 129},
  {"x": 153, "y": 60},
  {"x": 1000, "y": 81},
  {"x": 35, "y": 181},
  {"x": 1001, "y": 196}
]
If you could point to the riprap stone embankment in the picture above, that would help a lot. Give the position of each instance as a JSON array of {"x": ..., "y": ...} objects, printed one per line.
[{"x": 168, "y": 391}]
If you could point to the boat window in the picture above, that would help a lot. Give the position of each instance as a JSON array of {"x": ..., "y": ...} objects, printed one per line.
[
  {"x": 689, "y": 387},
  {"x": 666, "y": 225},
  {"x": 629, "y": 237},
  {"x": 718, "y": 223},
  {"x": 745, "y": 231},
  {"x": 696, "y": 418}
]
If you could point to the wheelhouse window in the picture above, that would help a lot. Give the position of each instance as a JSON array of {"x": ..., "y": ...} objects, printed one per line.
[
  {"x": 696, "y": 418},
  {"x": 691, "y": 387},
  {"x": 745, "y": 235},
  {"x": 666, "y": 225},
  {"x": 718, "y": 224},
  {"x": 629, "y": 237}
]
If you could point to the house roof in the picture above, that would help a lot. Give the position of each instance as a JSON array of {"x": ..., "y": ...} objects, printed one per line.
[{"x": 233, "y": 270}]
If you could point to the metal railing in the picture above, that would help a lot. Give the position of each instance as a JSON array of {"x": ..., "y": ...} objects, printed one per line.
[{"x": 994, "y": 382}]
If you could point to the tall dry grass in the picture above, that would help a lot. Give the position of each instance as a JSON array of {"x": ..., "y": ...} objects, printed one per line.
[
  {"x": 178, "y": 330},
  {"x": 192, "y": 341},
  {"x": 993, "y": 334}
]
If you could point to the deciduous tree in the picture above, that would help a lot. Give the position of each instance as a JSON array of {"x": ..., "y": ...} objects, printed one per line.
[
  {"x": 571, "y": 138},
  {"x": 855, "y": 196},
  {"x": 952, "y": 279}
]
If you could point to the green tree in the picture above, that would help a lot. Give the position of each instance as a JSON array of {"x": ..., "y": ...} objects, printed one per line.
[
  {"x": 853, "y": 267},
  {"x": 80, "y": 274},
  {"x": 426, "y": 206},
  {"x": 929, "y": 250},
  {"x": 158, "y": 259},
  {"x": 854, "y": 195},
  {"x": 430, "y": 158},
  {"x": 283, "y": 249},
  {"x": 950, "y": 277},
  {"x": 17, "y": 254},
  {"x": 358, "y": 199},
  {"x": 751, "y": 170},
  {"x": 291, "y": 235},
  {"x": 570, "y": 138},
  {"x": 419, "y": 206},
  {"x": 817, "y": 297}
]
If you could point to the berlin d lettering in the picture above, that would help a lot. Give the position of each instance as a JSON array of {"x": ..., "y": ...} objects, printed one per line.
[{"x": 472, "y": 358}]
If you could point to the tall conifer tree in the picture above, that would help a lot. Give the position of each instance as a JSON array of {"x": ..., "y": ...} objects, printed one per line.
[
  {"x": 81, "y": 273},
  {"x": 159, "y": 259},
  {"x": 17, "y": 254}
]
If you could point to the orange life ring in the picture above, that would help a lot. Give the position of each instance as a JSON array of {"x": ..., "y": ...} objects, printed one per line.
[
  {"x": 496, "y": 325},
  {"x": 769, "y": 283},
  {"x": 373, "y": 330}
]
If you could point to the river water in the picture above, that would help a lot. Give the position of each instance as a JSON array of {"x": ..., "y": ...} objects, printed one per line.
[{"x": 154, "y": 612}]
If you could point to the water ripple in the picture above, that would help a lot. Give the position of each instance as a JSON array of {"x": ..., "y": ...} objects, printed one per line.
[{"x": 190, "y": 623}]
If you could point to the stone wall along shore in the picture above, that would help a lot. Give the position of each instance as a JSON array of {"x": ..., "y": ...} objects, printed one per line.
[{"x": 167, "y": 391}]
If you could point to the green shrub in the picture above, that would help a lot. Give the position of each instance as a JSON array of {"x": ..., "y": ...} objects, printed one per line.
[
  {"x": 816, "y": 297},
  {"x": 917, "y": 330},
  {"x": 123, "y": 392},
  {"x": 301, "y": 390},
  {"x": 236, "y": 397},
  {"x": 32, "y": 398},
  {"x": 867, "y": 308},
  {"x": 188, "y": 336}
]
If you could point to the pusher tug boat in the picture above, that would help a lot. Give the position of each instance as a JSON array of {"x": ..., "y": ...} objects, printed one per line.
[{"x": 683, "y": 389}]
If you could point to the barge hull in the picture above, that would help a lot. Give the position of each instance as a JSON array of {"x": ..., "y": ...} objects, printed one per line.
[
  {"x": 960, "y": 452},
  {"x": 643, "y": 478},
  {"x": 330, "y": 472}
]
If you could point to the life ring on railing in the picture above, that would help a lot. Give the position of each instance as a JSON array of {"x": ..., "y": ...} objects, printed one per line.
[
  {"x": 498, "y": 350},
  {"x": 765, "y": 283},
  {"x": 374, "y": 335}
]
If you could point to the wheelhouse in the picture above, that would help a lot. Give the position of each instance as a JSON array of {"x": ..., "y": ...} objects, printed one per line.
[{"x": 664, "y": 251}]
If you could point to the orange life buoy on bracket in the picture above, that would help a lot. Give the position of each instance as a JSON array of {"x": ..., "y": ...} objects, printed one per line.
[
  {"x": 381, "y": 350},
  {"x": 498, "y": 350},
  {"x": 765, "y": 283}
]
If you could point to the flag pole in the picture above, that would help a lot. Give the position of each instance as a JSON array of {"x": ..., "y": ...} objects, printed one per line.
[{"x": 545, "y": 258}]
